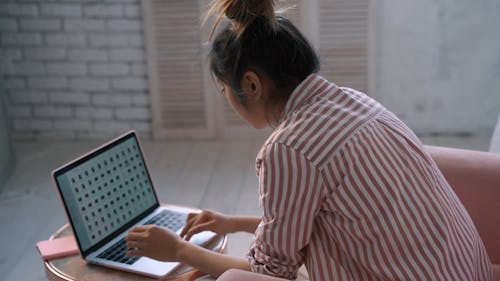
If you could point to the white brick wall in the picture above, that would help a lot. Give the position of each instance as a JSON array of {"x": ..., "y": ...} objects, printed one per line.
[
  {"x": 14, "y": 9},
  {"x": 65, "y": 39},
  {"x": 69, "y": 98},
  {"x": 110, "y": 100},
  {"x": 27, "y": 68},
  {"x": 40, "y": 24},
  {"x": 84, "y": 25},
  {"x": 47, "y": 83},
  {"x": 21, "y": 38},
  {"x": 104, "y": 10},
  {"x": 87, "y": 54},
  {"x": 23, "y": 111},
  {"x": 28, "y": 98},
  {"x": 93, "y": 113},
  {"x": 61, "y": 10},
  {"x": 65, "y": 68},
  {"x": 89, "y": 84},
  {"x": 109, "y": 69},
  {"x": 73, "y": 69}
]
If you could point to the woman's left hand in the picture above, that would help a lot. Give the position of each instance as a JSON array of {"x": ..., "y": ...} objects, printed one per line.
[{"x": 153, "y": 241}]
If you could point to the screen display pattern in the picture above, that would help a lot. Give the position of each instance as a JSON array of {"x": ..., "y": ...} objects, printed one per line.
[{"x": 107, "y": 191}]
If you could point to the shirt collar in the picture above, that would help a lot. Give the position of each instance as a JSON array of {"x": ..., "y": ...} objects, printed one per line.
[{"x": 306, "y": 89}]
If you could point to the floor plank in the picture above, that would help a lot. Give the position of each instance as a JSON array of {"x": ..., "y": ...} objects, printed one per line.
[
  {"x": 195, "y": 176},
  {"x": 223, "y": 189}
]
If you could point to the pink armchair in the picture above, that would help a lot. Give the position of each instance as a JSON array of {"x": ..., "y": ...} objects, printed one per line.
[{"x": 475, "y": 177}]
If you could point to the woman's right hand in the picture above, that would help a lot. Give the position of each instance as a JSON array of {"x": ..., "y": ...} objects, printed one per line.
[{"x": 206, "y": 220}]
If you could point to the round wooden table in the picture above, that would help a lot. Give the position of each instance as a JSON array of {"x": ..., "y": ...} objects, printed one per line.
[{"x": 74, "y": 268}]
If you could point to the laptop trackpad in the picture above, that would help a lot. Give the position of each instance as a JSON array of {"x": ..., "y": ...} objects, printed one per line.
[{"x": 160, "y": 268}]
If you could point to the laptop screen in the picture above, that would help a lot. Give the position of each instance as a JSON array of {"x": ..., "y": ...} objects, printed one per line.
[{"x": 106, "y": 191}]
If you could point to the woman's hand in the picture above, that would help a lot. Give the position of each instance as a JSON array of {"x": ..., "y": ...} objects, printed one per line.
[
  {"x": 206, "y": 220},
  {"x": 153, "y": 241},
  {"x": 162, "y": 244}
]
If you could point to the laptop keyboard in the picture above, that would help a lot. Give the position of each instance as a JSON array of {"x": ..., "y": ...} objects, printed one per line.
[
  {"x": 117, "y": 252},
  {"x": 168, "y": 219},
  {"x": 165, "y": 218}
]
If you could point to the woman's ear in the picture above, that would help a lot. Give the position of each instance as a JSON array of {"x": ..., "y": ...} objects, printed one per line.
[{"x": 252, "y": 86}]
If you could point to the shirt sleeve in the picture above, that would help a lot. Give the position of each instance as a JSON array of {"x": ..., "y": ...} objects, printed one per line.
[{"x": 290, "y": 192}]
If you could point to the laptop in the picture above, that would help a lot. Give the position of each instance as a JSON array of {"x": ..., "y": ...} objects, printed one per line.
[{"x": 108, "y": 191}]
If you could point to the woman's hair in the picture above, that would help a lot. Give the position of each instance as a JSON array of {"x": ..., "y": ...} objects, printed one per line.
[{"x": 259, "y": 40}]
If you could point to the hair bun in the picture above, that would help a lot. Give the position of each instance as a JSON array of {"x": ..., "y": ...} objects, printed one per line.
[
  {"x": 246, "y": 10},
  {"x": 242, "y": 12}
]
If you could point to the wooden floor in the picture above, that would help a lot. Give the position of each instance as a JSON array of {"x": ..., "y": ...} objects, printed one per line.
[{"x": 204, "y": 174}]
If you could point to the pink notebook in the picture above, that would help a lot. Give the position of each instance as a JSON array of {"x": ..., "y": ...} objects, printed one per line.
[{"x": 57, "y": 248}]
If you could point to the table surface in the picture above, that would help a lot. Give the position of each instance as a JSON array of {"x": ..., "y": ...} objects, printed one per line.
[{"x": 74, "y": 268}]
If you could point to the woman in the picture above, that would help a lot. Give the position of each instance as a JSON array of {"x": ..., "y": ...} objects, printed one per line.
[{"x": 345, "y": 187}]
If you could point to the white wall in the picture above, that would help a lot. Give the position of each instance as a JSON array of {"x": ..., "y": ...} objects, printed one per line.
[
  {"x": 73, "y": 69},
  {"x": 5, "y": 153},
  {"x": 438, "y": 63}
]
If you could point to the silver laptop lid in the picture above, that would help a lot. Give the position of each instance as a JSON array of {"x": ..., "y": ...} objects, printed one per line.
[{"x": 106, "y": 191}]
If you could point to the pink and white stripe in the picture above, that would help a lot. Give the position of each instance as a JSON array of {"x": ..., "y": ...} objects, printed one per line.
[{"x": 346, "y": 189}]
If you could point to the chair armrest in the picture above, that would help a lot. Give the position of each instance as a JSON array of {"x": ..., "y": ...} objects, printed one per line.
[
  {"x": 496, "y": 271},
  {"x": 475, "y": 178}
]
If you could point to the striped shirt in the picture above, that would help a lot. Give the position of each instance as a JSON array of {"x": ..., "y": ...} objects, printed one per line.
[{"x": 347, "y": 189}]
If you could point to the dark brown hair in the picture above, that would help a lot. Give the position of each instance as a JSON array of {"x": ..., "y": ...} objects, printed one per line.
[{"x": 257, "y": 39}]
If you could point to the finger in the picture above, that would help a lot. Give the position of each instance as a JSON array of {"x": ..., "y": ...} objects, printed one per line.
[
  {"x": 133, "y": 244},
  {"x": 134, "y": 252},
  {"x": 184, "y": 231},
  {"x": 196, "y": 229},
  {"x": 194, "y": 221},
  {"x": 133, "y": 236},
  {"x": 187, "y": 227},
  {"x": 192, "y": 215},
  {"x": 139, "y": 229}
]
